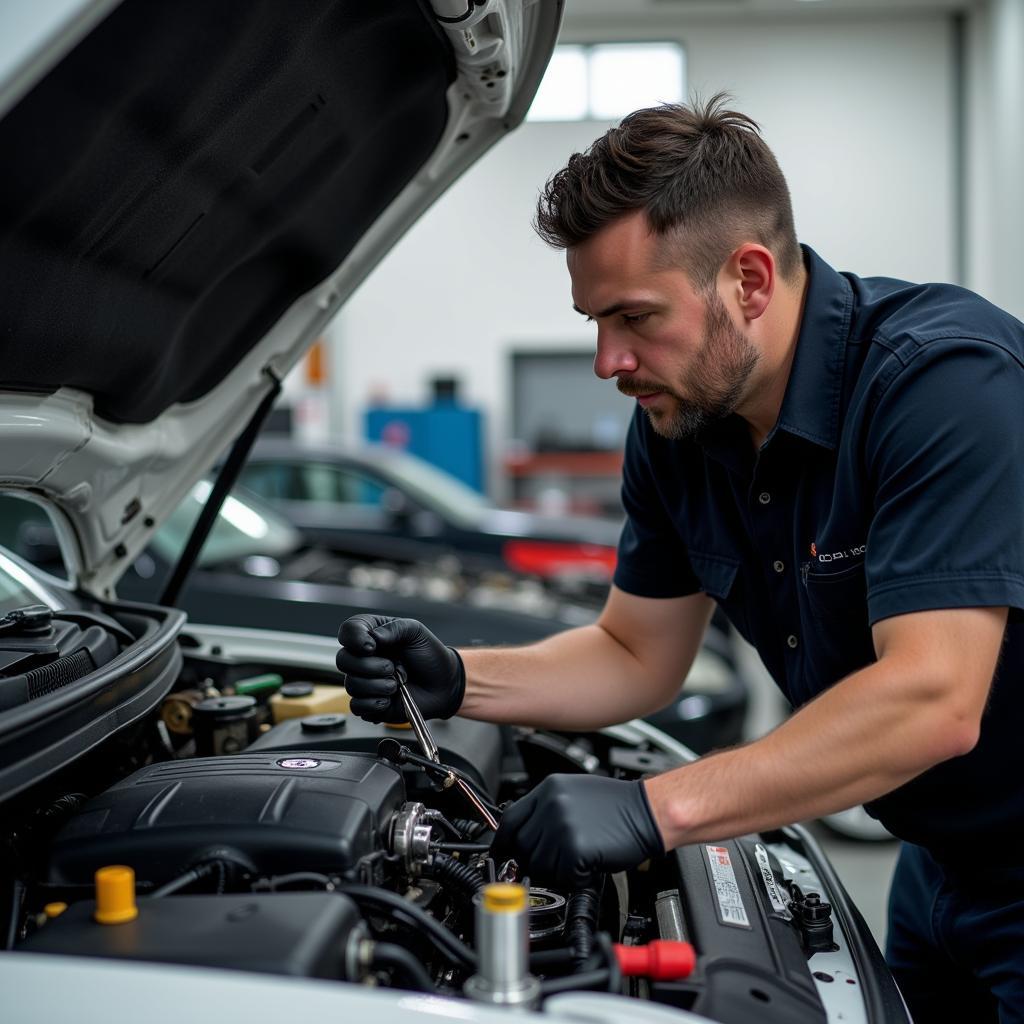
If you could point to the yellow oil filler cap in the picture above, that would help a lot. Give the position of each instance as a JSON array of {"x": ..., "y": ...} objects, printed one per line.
[
  {"x": 504, "y": 898},
  {"x": 115, "y": 895}
]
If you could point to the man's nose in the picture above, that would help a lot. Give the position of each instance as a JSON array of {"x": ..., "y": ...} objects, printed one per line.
[{"x": 614, "y": 354}]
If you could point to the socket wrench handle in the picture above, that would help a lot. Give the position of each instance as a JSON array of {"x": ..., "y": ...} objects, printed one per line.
[
  {"x": 416, "y": 719},
  {"x": 426, "y": 741}
]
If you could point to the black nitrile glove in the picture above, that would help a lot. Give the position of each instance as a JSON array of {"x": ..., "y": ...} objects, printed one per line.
[
  {"x": 572, "y": 827},
  {"x": 371, "y": 647}
]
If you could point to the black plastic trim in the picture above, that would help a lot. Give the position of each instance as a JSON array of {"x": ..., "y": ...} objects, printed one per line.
[{"x": 45, "y": 735}]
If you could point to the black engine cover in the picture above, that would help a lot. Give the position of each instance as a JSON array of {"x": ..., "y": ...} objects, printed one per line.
[
  {"x": 473, "y": 747},
  {"x": 283, "y": 812}
]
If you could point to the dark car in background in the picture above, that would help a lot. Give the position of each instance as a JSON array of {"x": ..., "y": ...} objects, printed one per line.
[
  {"x": 258, "y": 570},
  {"x": 381, "y": 502}
]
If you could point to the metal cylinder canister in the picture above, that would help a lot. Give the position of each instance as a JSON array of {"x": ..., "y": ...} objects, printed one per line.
[
  {"x": 503, "y": 948},
  {"x": 224, "y": 725}
]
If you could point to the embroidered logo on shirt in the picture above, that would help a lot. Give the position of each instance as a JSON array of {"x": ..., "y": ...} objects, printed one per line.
[{"x": 837, "y": 556}]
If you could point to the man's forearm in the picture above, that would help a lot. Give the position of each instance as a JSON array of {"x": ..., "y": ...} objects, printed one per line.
[
  {"x": 631, "y": 662},
  {"x": 580, "y": 679},
  {"x": 867, "y": 735}
]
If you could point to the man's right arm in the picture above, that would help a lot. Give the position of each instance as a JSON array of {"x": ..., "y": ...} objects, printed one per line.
[{"x": 631, "y": 662}]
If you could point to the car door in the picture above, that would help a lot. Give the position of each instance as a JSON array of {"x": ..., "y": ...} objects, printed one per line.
[{"x": 347, "y": 509}]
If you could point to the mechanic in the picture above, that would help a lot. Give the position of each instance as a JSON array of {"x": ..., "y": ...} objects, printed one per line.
[{"x": 838, "y": 462}]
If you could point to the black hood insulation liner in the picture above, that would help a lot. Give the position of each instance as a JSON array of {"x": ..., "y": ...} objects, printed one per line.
[{"x": 191, "y": 169}]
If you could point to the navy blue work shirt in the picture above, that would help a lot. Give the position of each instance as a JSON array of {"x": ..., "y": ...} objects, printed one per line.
[{"x": 893, "y": 482}]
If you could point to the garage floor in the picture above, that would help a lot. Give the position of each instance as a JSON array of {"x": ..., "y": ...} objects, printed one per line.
[{"x": 865, "y": 868}]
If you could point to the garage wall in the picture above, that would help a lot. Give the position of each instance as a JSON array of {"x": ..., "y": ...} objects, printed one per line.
[
  {"x": 994, "y": 157},
  {"x": 857, "y": 111}
]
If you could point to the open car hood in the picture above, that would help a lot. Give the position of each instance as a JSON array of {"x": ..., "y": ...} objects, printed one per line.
[{"x": 190, "y": 191}]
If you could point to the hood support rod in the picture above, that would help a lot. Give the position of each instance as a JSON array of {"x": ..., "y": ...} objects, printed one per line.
[{"x": 221, "y": 487}]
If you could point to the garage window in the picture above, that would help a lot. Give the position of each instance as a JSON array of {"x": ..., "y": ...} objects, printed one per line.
[{"x": 605, "y": 81}]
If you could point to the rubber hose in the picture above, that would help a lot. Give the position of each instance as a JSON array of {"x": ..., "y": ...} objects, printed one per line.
[
  {"x": 573, "y": 982},
  {"x": 18, "y": 890},
  {"x": 276, "y": 882},
  {"x": 464, "y": 847},
  {"x": 470, "y": 827},
  {"x": 581, "y": 922},
  {"x": 448, "y": 869},
  {"x": 436, "y": 817},
  {"x": 399, "y": 960},
  {"x": 63, "y": 806},
  {"x": 547, "y": 959},
  {"x": 183, "y": 881},
  {"x": 428, "y": 926},
  {"x": 607, "y": 952}
]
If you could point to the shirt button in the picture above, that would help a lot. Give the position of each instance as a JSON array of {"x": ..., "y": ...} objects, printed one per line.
[
  {"x": 764, "y": 497},
  {"x": 791, "y": 641},
  {"x": 778, "y": 566}
]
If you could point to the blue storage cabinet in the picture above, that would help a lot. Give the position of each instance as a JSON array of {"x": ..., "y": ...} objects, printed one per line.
[{"x": 447, "y": 435}]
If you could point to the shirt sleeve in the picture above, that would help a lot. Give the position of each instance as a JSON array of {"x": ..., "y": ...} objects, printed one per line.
[
  {"x": 652, "y": 559},
  {"x": 945, "y": 458}
]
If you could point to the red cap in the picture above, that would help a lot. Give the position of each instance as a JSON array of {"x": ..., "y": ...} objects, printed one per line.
[{"x": 661, "y": 960}]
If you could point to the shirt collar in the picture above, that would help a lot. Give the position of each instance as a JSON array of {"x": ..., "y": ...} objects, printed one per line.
[{"x": 810, "y": 407}]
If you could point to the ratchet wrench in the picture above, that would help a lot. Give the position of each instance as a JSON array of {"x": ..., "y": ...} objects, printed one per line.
[
  {"x": 416, "y": 719},
  {"x": 426, "y": 741}
]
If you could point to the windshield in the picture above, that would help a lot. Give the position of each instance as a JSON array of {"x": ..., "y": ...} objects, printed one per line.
[
  {"x": 435, "y": 487},
  {"x": 243, "y": 527}
]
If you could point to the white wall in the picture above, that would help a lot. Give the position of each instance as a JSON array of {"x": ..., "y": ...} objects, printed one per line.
[
  {"x": 857, "y": 111},
  {"x": 995, "y": 152}
]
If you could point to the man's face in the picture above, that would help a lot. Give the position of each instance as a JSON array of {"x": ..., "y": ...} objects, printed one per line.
[{"x": 672, "y": 347}]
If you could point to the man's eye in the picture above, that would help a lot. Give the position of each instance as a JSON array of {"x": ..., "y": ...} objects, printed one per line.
[{"x": 635, "y": 318}]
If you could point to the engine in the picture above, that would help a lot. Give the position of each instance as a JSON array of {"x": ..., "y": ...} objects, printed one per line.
[
  {"x": 263, "y": 828},
  {"x": 261, "y": 814}
]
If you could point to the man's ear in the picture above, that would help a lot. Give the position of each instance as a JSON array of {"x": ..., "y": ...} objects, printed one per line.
[{"x": 751, "y": 272}]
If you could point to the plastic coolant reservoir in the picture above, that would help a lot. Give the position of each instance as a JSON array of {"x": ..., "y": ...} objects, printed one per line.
[{"x": 297, "y": 700}]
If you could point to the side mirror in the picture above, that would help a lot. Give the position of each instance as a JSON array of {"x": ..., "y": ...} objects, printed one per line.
[
  {"x": 397, "y": 507},
  {"x": 406, "y": 516},
  {"x": 425, "y": 523}
]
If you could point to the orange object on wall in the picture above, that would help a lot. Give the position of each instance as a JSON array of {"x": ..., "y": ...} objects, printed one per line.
[{"x": 316, "y": 364}]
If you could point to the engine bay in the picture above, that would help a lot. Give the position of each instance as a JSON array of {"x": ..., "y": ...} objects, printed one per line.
[{"x": 250, "y": 822}]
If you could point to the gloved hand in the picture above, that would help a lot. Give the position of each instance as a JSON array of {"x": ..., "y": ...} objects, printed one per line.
[
  {"x": 371, "y": 647},
  {"x": 574, "y": 826}
]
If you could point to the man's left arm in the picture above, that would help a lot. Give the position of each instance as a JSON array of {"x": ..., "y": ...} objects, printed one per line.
[{"x": 919, "y": 704}]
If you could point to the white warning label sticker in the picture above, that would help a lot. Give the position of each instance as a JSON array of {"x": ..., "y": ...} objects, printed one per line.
[
  {"x": 778, "y": 903},
  {"x": 730, "y": 903}
]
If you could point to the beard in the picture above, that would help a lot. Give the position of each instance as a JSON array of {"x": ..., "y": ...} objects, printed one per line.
[{"x": 714, "y": 382}]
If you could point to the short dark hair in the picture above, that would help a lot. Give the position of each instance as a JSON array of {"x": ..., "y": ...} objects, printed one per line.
[{"x": 702, "y": 174}]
